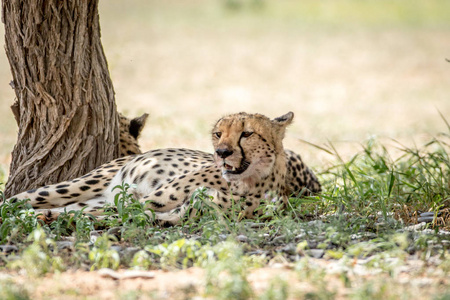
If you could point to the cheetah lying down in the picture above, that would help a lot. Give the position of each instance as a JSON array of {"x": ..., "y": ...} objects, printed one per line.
[{"x": 249, "y": 163}]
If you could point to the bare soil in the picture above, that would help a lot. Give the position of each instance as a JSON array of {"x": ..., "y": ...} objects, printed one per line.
[{"x": 414, "y": 279}]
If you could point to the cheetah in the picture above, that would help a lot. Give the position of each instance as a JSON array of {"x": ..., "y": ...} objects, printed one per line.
[
  {"x": 129, "y": 132},
  {"x": 249, "y": 164}
]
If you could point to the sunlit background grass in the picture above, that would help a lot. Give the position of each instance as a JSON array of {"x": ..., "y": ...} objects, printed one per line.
[{"x": 348, "y": 69}]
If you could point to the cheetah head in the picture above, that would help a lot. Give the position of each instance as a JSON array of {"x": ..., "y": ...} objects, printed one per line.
[
  {"x": 247, "y": 145},
  {"x": 130, "y": 129}
]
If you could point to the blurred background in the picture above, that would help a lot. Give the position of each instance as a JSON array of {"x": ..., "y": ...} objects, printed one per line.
[{"x": 349, "y": 69}]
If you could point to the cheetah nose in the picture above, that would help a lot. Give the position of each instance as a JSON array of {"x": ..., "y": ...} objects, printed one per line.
[{"x": 223, "y": 152}]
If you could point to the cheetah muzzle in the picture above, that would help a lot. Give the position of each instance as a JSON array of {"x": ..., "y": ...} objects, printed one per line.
[{"x": 249, "y": 164}]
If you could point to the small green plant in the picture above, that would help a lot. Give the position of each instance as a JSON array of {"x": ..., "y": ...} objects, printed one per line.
[
  {"x": 378, "y": 291},
  {"x": 201, "y": 204},
  {"x": 179, "y": 254},
  {"x": 18, "y": 219},
  {"x": 206, "y": 216},
  {"x": 226, "y": 272},
  {"x": 74, "y": 221},
  {"x": 278, "y": 290},
  {"x": 102, "y": 256},
  {"x": 141, "y": 260},
  {"x": 11, "y": 291},
  {"x": 40, "y": 257},
  {"x": 307, "y": 270},
  {"x": 131, "y": 210}
]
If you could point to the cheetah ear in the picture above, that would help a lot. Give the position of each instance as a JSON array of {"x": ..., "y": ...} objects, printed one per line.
[
  {"x": 137, "y": 124},
  {"x": 284, "y": 120}
]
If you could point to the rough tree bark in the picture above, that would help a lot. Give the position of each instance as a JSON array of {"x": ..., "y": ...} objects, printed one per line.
[{"x": 65, "y": 108}]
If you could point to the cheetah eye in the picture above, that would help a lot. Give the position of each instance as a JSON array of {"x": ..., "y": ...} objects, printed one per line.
[
  {"x": 246, "y": 134},
  {"x": 217, "y": 134}
]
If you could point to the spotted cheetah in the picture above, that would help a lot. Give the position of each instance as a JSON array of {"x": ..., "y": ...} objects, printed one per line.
[
  {"x": 130, "y": 129},
  {"x": 249, "y": 164}
]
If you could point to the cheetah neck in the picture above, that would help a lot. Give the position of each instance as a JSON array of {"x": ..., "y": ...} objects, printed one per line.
[{"x": 273, "y": 183}]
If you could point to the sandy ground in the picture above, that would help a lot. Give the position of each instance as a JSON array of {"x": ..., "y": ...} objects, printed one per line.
[{"x": 189, "y": 283}]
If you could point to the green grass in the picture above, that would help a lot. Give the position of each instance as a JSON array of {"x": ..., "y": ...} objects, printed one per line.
[{"x": 373, "y": 183}]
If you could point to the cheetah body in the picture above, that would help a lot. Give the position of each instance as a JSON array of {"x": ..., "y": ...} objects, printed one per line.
[{"x": 249, "y": 165}]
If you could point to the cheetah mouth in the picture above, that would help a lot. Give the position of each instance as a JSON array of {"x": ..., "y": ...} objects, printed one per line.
[{"x": 227, "y": 169}]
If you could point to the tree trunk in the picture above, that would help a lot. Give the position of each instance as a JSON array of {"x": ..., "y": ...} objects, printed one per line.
[{"x": 65, "y": 109}]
